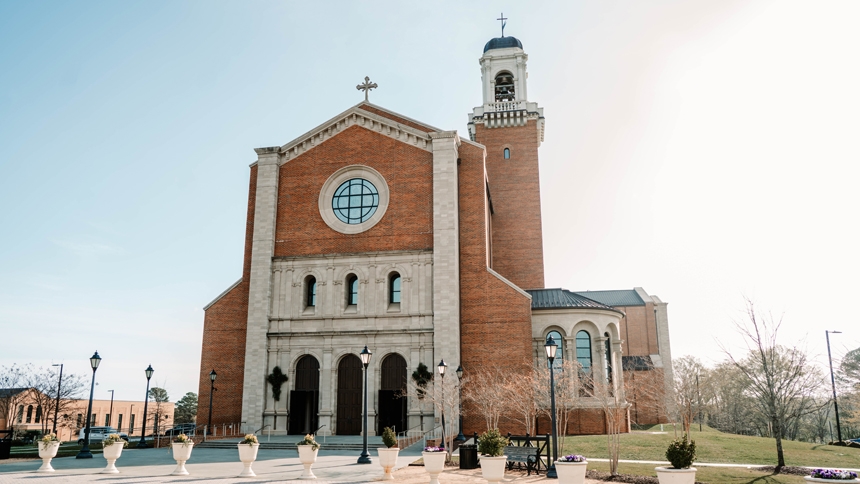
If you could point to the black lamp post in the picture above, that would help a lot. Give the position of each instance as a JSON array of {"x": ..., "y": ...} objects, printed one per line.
[
  {"x": 142, "y": 443},
  {"x": 460, "y": 437},
  {"x": 110, "y": 412},
  {"x": 212, "y": 376},
  {"x": 85, "y": 450},
  {"x": 551, "y": 346},
  {"x": 365, "y": 355},
  {"x": 833, "y": 383},
  {"x": 442, "y": 367},
  {"x": 57, "y": 408}
]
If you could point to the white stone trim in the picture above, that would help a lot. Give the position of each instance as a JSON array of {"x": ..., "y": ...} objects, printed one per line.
[
  {"x": 222, "y": 294},
  {"x": 332, "y": 184},
  {"x": 509, "y": 283}
]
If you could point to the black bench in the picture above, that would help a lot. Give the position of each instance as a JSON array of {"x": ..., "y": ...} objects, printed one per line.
[{"x": 522, "y": 455}]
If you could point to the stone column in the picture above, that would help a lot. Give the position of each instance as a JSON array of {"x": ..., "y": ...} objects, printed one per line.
[
  {"x": 260, "y": 290},
  {"x": 599, "y": 367},
  {"x": 617, "y": 370},
  {"x": 446, "y": 251}
]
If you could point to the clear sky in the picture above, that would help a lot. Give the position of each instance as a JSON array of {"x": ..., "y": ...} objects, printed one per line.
[{"x": 704, "y": 150}]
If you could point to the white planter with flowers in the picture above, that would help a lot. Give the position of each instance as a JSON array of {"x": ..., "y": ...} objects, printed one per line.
[
  {"x": 388, "y": 454},
  {"x": 308, "y": 449},
  {"x": 681, "y": 453},
  {"x": 48, "y": 447},
  {"x": 491, "y": 446},
  {"x": 111, "y": 450},
  {"x": 571, "y": 469},
  {"x": 182, "y": 446},
  {"x": 434, "y": 462},
  {"x": 248, "y": 454}
]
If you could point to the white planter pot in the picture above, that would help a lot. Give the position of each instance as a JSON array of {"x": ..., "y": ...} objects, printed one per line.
[
  {"x": 112, "y": 453},
  {"x": 181, "y": 453},
  {"x": 387, "y": 459},
  {"x": 307, "y": 456},
  {"x": 669, "y": 475},
  {"x": 47, "y": 451},
  {"x": 831, "y": 481},
  {"x": 248, "y": 454},
  {"x": 493, "y": 468},
  {"x": 571, "y": 472},
  {"x": 434, "y": 464}
]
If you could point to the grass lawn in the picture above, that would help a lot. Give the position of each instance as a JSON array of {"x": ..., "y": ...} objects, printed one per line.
[
  {"x": 717, "y": 447},
  {"x": 719, "y": 475}
]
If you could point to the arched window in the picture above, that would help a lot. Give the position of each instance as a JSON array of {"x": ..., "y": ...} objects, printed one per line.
[
  {"x": 352, "y": 290},
  {"x": 29, "y": 414},
  {"x": 20, "y": 413},
  {"x": 39, "y": 414},
  {"x": 505, "y": 87},
  {"x": 507, "y": 153},
  {"x": 311, "y": 291},
  {"x": 608, "y": 359},
  {"x": 583, "y": 350},
  {"x": 394, "y": 288},
  {"x": 558, "y": 362}
]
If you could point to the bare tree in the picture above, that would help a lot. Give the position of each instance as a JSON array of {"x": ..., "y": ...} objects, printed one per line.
[
  {"x": 614, "y": 409},
  {"x": 523, "y": 402},
  {"x": 488, "y": 393},
  {"x": 687, "y": 371},
  {"x": 12, "y": 393},
  {"x": 779, "y": 378},
  {"x": 444, "y": 399},
  {"x": 569, "y": 391}
]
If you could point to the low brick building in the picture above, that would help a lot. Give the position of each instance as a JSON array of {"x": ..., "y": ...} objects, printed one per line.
[{"x": 374, "y": 229}]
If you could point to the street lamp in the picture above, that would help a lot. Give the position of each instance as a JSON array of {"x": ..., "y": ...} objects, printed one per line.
[
  {"x": 85, "y": 450},
  {"x": 365, "y": 355},
  {"x": 551, "y": 347},
  {"x": 212, "y": 376},
  {"x": 442, "y": 367},
  {"x": 142, "y": 443},
  {"x": 110, "y": 412},
  {"x": 460, "y": 437},
  {"x": 57, "y": 408},
  {"x": 833, "y": 383}
]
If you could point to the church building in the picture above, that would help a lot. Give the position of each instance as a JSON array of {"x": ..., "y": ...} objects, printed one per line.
[{"x": 422, "y": 244}]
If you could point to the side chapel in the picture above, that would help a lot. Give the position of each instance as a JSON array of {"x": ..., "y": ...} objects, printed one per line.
[{"x": 380, "y": 230}]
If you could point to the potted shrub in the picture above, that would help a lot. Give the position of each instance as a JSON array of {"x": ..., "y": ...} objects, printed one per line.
[
  {"x": 434, "y": 462},
  {"x": 681, "y": 453},
  {"x": 491, "y": 446},
  {"x": 830, "y": 475},
  {"x": 388, "y": 454},
  {"x": 182, "y": 446},
  {"x": 308, "y": 449},
  {"x": 248, "y": 454},
  {"x": 48, "y": 446},
  {"x": 571, "y": 469},
  {"x": 111, "y": 450}
]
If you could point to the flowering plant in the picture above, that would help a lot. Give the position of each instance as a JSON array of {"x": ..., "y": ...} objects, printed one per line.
[
  {"x": 434, "y": 449},
  {"x": 183, "y": 439},
  {"x": 309, "y": 440},
  {"x": 835, "y": 474},
  {"x": 48, "y": 438},
  {"x": 250, "y": 439},
  {"x": 572, "y": 458},
  {"x": 113, "y": 439}
]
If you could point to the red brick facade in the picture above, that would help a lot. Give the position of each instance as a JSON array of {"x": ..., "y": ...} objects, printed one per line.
[{"x": 224, "y": 328}]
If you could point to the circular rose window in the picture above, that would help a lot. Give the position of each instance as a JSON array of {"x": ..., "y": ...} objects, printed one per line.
[{"x": 355, "y": 201}]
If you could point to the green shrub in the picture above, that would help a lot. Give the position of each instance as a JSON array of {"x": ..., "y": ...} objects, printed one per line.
[
  {"x": 389, "y": 438},
  {"x": 492, "y": 443},
  {"x": 681, "y": 452}
]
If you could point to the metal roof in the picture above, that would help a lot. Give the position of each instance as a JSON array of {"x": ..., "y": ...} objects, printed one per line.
[
  {"x": 502, "y": 43},
  {"x": 623, "y": 297},
  {"x": 8, "y": 392},
  {"x": 558, "y": 298}
]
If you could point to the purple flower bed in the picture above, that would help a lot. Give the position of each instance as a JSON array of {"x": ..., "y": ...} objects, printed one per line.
[
  {"x": 434, "y": 449},
  {"x": 835, "y": 474},
  {"x": 572, "y": 458}
]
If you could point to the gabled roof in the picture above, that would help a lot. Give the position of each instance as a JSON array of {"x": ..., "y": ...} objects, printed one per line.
[
  {"x": 558, "y": 298},
  {"x": 623, "y": 297}
]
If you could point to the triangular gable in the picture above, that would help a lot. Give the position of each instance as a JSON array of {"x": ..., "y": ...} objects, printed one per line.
[{"x": 367, "y": 116}]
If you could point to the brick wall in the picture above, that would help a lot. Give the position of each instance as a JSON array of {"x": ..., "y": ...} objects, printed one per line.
[
  {"x": 515, "y": 191},
  {"x": 406, "y": 225},
  {"x": 646, "y": 393},
  {"x": 495, "y": 319},
  {"x": 639, "y": 330},
  {"x": 224, "y": 329}
]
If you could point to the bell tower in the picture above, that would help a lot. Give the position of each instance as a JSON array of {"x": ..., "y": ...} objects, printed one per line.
[{"x": 511, "y": 128}]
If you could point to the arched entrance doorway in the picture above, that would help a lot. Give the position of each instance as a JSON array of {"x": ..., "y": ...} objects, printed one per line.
[
  {"x": 304, "y": 400},
  {"x": 392, "y": 406},
  {"x": 349, "y": 403}
]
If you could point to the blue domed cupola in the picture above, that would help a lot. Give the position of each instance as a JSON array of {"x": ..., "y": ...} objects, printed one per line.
[{"x": 503, "y": 43}]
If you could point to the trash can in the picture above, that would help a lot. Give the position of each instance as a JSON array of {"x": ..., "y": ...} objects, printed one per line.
[
  {"x": 468, "y": 456},
  {"x": 5, "y": 448}
]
